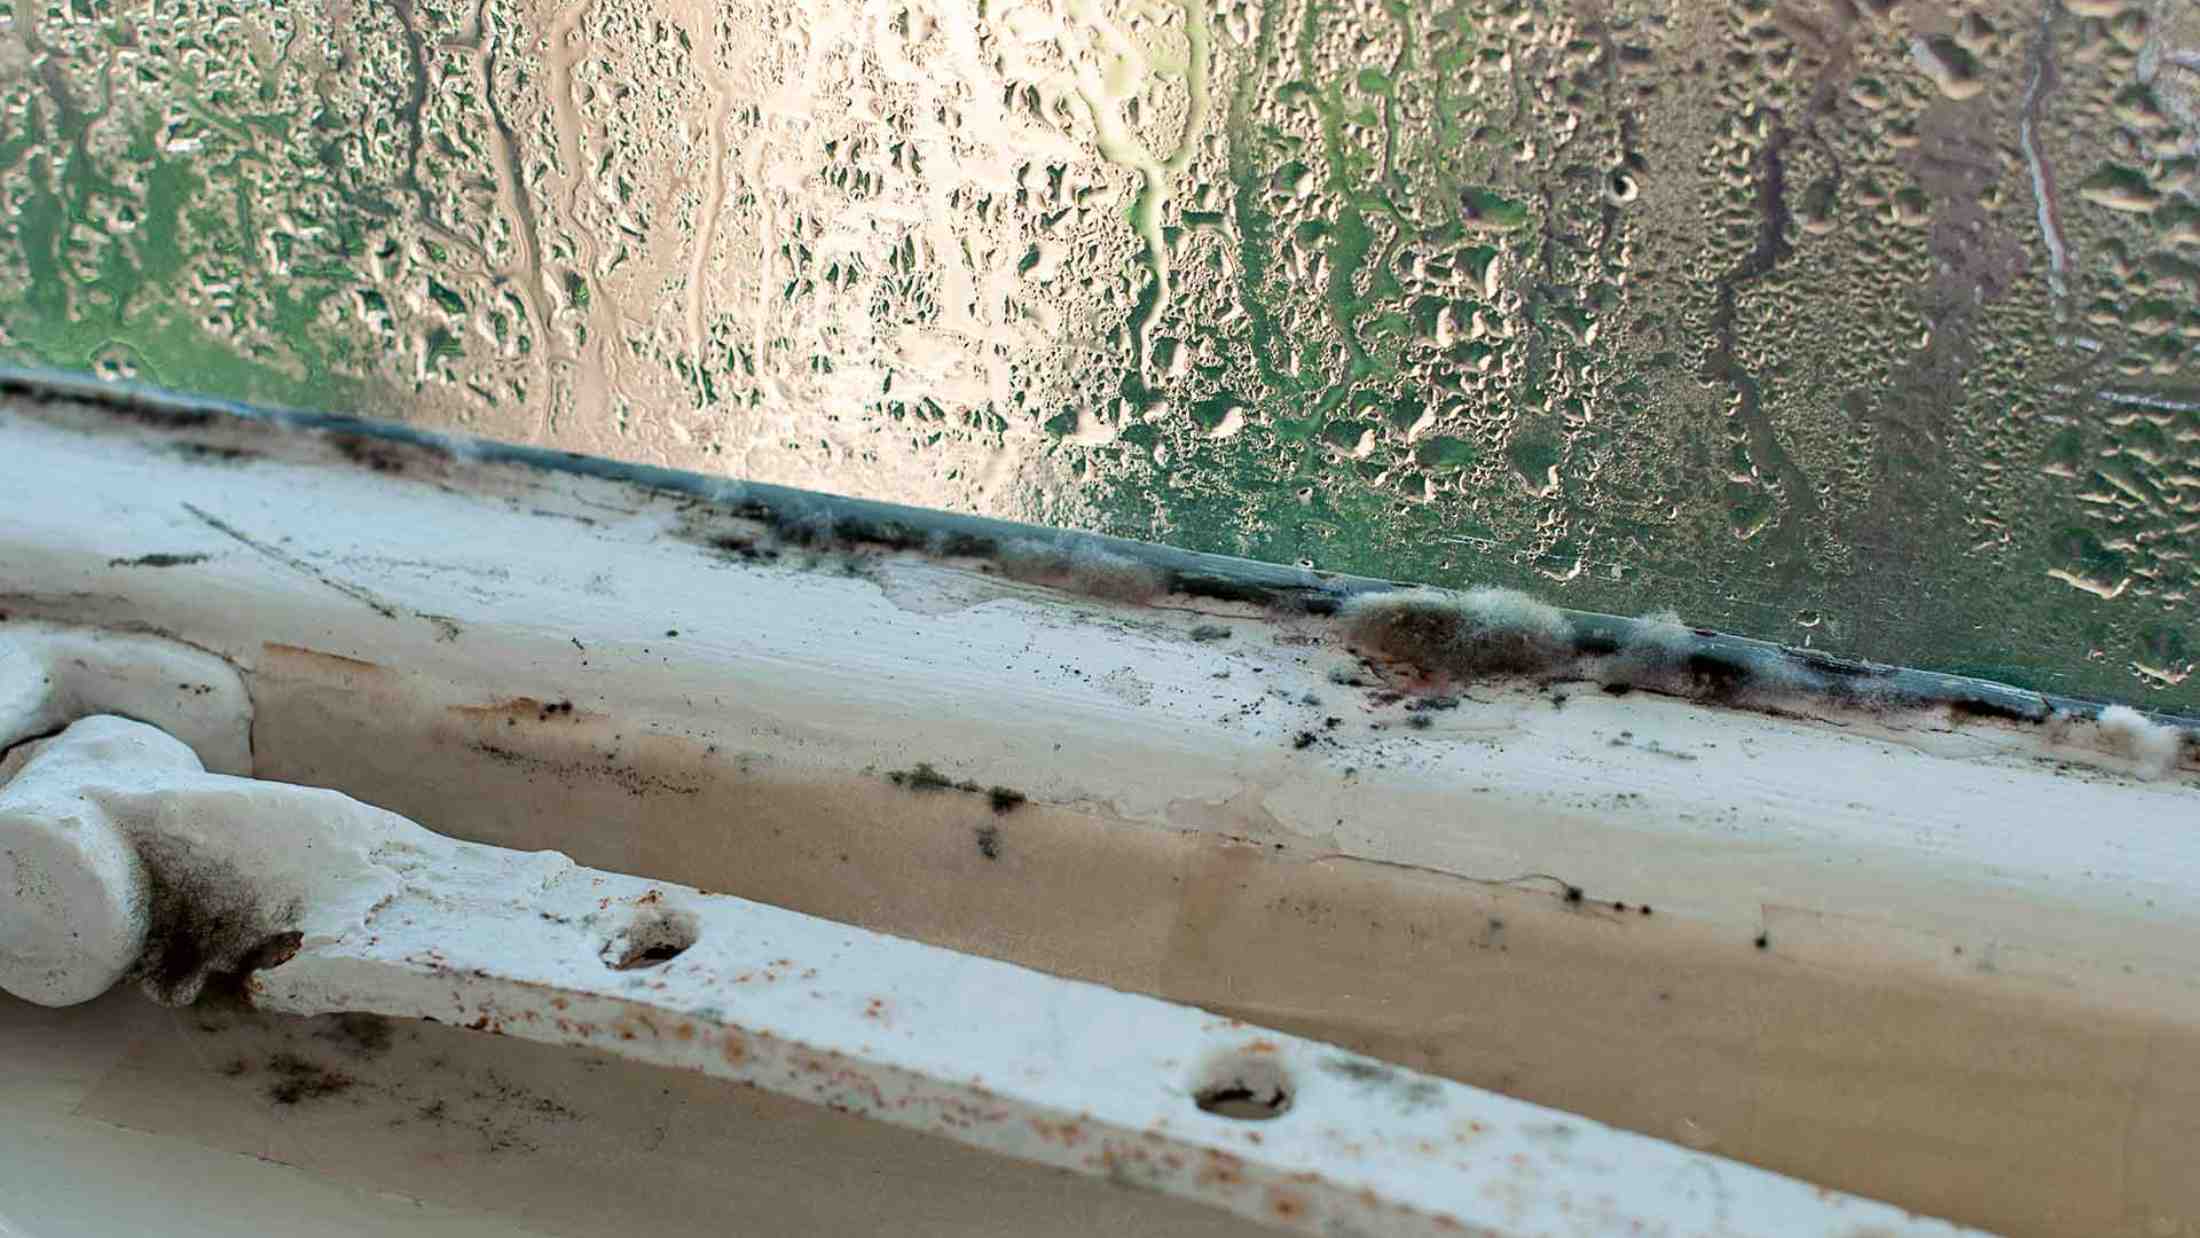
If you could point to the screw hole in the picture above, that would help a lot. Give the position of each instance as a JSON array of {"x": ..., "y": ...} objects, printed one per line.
[
  {"x": 655, "y": 937},
  {"x": 1244, "y": 1087}
]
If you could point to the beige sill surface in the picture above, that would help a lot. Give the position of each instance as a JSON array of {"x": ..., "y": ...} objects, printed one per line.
[{"x": 120, "y": 1117}]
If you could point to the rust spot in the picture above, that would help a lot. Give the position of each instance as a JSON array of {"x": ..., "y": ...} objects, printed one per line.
[
  {"x": 1286, "y": 1206},
  {"x": 876, "y": 1009},
  {"x": 557, "y": 1003},
  {"x": 1068, "y": 1134},
  {"x": 1221, "y": 1168},
  {"x": 1261, "y": 1046},
  {"x": 321, "y": 661},
  {"x": 518, "y": 709},
  {"x": 735, "y": 1050},
  {"x": 686, "y": 1031}
]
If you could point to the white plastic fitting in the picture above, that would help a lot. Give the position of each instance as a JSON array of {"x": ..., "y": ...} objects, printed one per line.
[
  {"x": 52, "y": 674},
  {"x": 128, "y": 858},
  {"x": 78, "y": 919}
]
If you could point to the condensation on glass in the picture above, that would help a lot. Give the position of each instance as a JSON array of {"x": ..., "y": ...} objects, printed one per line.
[{"x": 1842, "y": 322}]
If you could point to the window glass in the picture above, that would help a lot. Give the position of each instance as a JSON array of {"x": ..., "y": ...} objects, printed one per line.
[{"x": 1847, "y": 323}]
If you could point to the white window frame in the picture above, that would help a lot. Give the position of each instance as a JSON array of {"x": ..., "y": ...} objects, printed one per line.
[{"x": 1912, "y": 936}]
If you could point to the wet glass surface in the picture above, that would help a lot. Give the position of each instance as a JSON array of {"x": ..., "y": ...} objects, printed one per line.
[{"x": 1847, "y": 323}]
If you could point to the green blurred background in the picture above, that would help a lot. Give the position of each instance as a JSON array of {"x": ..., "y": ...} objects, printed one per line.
[{"x": 1836, "y": 322}]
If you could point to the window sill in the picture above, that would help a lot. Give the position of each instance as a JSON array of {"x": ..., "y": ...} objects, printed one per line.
[{"x": 1937, "y": 960}]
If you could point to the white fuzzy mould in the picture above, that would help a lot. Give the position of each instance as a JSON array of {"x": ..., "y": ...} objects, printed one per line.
[
  {"x": 1512, "y": 609},
  {"x": 1663, "y": 630},
  {"x": 1081, "y": 566},
  {"x": 2150, "y": 746},
  {"x": 1485, "y": 630}
]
